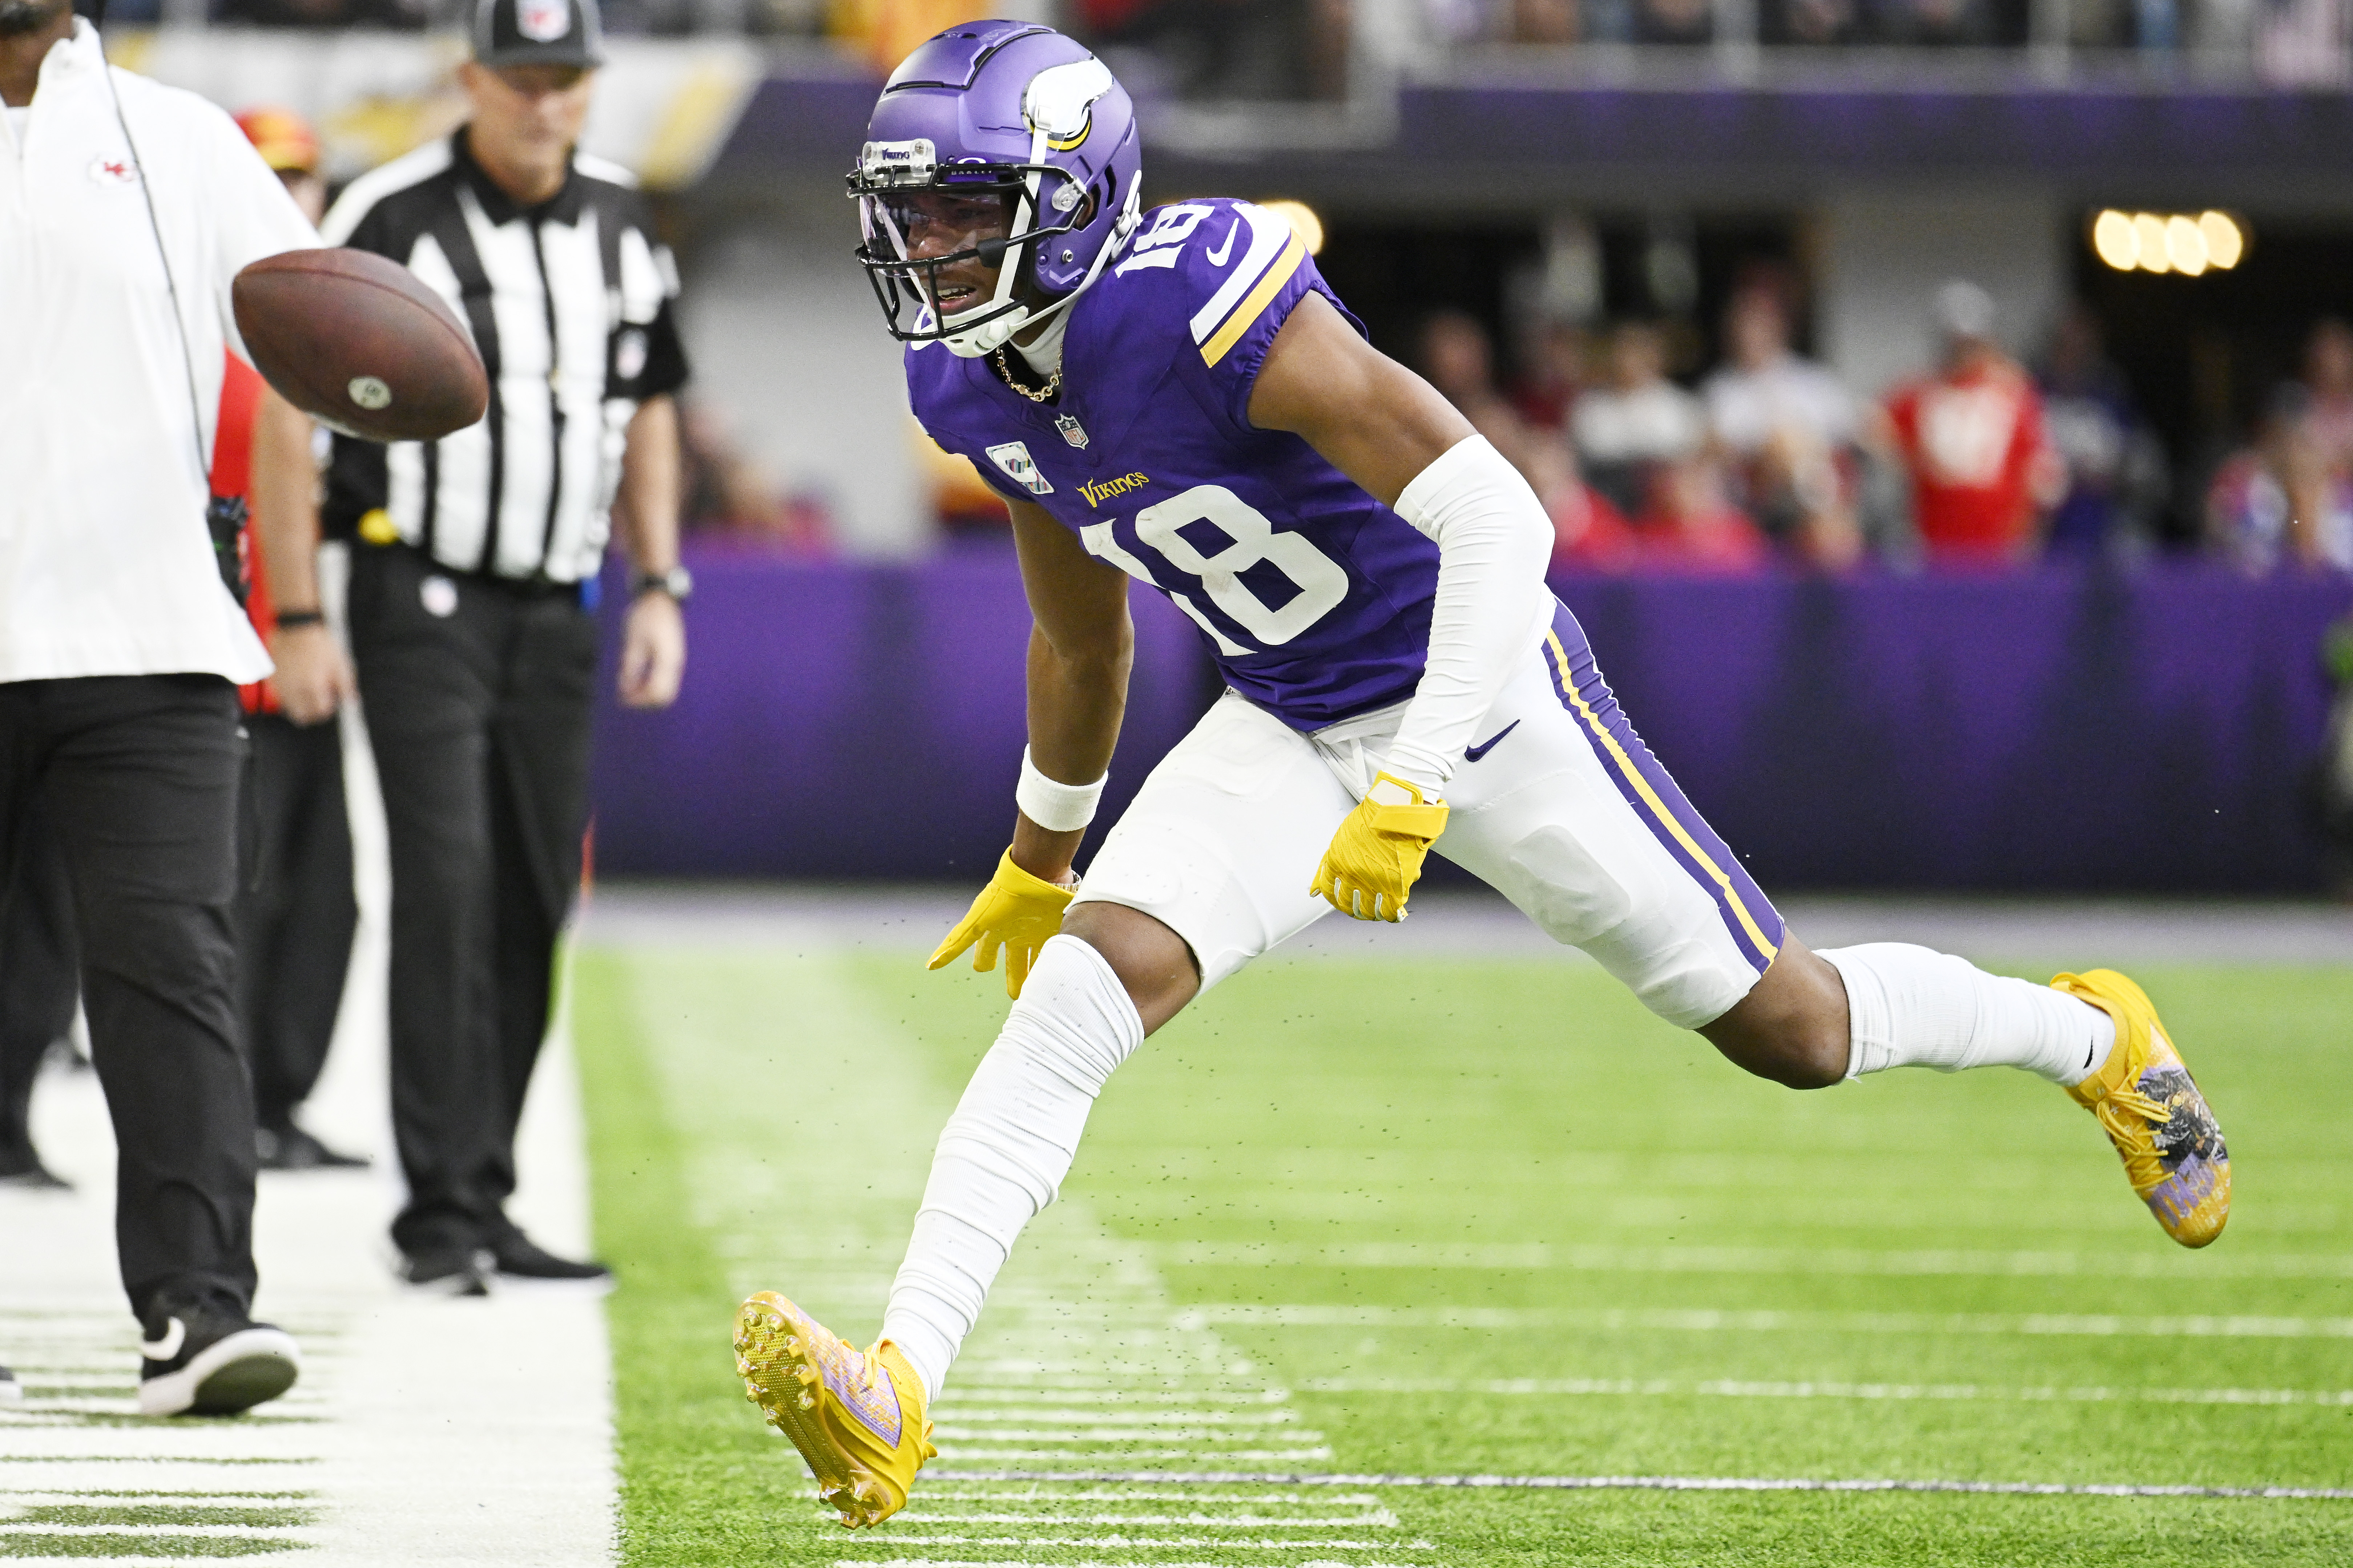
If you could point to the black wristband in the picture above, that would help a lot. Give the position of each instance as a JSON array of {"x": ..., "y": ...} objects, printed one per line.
[{"x": 289, "y": 620}]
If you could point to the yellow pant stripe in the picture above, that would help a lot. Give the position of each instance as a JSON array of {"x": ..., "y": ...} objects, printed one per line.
[
  {"x": 1227, "y": 336},
  {"x": 1659, "y": 808}
]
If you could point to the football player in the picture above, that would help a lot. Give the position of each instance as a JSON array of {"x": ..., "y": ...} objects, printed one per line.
[{"x": 1175, "y": 395}]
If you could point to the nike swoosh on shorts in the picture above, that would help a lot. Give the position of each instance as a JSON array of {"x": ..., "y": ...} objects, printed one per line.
[{"x": 1472, "y": 753}]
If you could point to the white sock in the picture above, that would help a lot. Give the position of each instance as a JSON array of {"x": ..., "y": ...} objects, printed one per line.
[
  {"x": 1910, "y": 1006},
  {"x": 1005, "y": 1152}
]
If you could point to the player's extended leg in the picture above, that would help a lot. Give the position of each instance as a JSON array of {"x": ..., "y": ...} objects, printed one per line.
[
  {"x": 1574, "y": 820},
  {"x": 1209, "y": 869}
]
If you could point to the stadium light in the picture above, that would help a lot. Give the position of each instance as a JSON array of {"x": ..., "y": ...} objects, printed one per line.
[
  {"x": 2113, "y": 238},
  {"x": 2225, "y": 240},
  {"x": 1304, "y": 223},
  {"x": 2168, "y": 242}
]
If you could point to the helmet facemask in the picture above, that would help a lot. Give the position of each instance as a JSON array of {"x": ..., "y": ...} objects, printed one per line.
[{"x": 898, "y": 188}]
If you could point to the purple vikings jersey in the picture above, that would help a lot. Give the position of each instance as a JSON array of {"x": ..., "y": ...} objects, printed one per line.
[{"x": 1313, "y": 596}]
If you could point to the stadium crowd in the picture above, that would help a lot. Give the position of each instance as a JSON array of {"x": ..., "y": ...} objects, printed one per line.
[{"x": 1978, "y": 460}]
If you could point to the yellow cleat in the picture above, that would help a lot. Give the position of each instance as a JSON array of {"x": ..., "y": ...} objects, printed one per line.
[
  {"x": 2153, "y": 1112},
  {"x": 856, "y": 1417}
]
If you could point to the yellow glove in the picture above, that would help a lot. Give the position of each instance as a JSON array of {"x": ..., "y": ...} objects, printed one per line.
[
  {"x": 1376, "y": 856},
  {"x": 1017, "y": 912}
]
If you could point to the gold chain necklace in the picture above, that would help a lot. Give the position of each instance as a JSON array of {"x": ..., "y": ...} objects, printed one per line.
[{"x": 1053, "y": 381}]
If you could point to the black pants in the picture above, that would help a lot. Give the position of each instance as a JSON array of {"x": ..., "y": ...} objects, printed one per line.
[
  {"x": 40, "y": 981},
  {"x": 479, "y": 719},
  {"x": 135, "y": 780},
  {"x": 296, "y": 913}
]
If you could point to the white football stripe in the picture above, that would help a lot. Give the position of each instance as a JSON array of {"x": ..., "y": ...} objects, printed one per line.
[
  {"x": 1676, "y": 1483},
  {"x": 1710, "y": 1320},
  {"x": 1742, "y": 1260},
  {"x": 1652, "y": 1387}
]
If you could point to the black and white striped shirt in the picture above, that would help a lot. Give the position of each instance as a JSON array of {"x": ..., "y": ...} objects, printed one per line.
[{"x": 570, "y": 304}]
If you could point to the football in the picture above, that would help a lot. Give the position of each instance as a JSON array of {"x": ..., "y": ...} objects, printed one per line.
[{"x": 359, "y": 343}]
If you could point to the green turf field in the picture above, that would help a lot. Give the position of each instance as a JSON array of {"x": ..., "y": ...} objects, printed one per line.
[{"x": 1445, "y": 1218}]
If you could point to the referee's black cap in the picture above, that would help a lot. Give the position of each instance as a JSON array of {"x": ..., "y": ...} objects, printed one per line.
[{"x": 538, "y": 32}]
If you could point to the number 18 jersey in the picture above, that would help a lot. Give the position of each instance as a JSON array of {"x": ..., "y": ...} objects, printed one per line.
[{"x": 1313, "y": 596}]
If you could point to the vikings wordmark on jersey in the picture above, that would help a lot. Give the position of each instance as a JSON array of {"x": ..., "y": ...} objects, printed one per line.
[{"x": 1313, "y": 596}]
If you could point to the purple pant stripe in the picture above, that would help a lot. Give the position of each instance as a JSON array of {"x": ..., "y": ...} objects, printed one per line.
[{"x": 1588, "y": 698}]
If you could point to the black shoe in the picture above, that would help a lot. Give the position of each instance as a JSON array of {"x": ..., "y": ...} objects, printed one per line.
[
  {"x": 519, "y": 1257},
  {"x": 288, "y": 1148},
  {"x": 202, "y": 1358},
  {"x": 10, "y": 1389},
  {"x": 446, "y": 1270}
]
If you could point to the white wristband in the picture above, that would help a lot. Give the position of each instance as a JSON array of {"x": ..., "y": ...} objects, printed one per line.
[{"x": 1056, "y": 807}]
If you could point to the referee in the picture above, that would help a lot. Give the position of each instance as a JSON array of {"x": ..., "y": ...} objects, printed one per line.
[
  {"x": 473, "y": 592},
  {"x": 126, "y": 208}
]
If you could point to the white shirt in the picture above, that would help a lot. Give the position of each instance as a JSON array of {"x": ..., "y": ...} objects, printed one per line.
[
  {"x": 105, "y": 565},
  {"x": 1650, "y": 423},
  {"x": 1748, "y": 407}
]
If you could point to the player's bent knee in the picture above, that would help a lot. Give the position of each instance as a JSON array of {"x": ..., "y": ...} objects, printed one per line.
[
  {"x": 1792, "y": 1028},
  {"x": 1151, "y": 960}
]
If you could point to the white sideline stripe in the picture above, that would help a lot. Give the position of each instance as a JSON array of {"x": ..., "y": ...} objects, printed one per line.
[
  {"x": 1379, "y": 1519},
  {"x": 1820, "y": 1390},
  {"x": 1742, "y": 1260},
  {"x": 1251, "y": 1494},
  {"x": 1661, "y": 1483},
  {"x": 1162, "y": 1543},
  {"x": 1708, "y": 1320},
  {"x": 1004, "y": 1562},
  {"x": 1123, "y": 1419},
  {"x": 266, "y": 1532}
]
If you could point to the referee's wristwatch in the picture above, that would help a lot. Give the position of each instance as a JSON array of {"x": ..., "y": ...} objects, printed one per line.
[{"x": 678, "y": 583}]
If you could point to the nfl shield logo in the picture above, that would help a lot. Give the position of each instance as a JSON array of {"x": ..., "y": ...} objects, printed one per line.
[
  {"x": 544, "y": 21},
  {"x": 1073, "y": 431}
]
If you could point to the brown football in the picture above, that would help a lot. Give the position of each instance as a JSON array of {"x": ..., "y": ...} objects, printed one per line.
[{"x": 358, "y": 342}]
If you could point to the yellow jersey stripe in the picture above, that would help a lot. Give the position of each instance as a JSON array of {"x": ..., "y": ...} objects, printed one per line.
[
  {"x": 1651, "y": 798},
  {"x": 1254, "y": 302}
]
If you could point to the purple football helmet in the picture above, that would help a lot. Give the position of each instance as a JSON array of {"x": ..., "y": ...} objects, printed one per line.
[{"x": 1008, "y": 113}]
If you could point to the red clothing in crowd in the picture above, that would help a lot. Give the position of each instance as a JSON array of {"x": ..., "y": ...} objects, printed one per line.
[
  {"x": 1973, "y": 440},
  {"x": 233, "y": 476}
]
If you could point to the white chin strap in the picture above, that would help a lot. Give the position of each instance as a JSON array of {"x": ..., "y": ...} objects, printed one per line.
[{"x": 987, "y": 337}]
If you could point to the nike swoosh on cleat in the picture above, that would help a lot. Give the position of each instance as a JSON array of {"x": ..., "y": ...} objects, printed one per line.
[
  {"x": 1472, "y": 753},
  {"x": 169, "y": 1345},
  {"x": 1225, "y": 248}
]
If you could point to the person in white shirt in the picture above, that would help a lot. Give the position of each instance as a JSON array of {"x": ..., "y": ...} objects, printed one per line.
[
  {"x": 1629, "y": 430},
  {"x": 126, "y": 209},
  {"x": 1788, "y": 428}
]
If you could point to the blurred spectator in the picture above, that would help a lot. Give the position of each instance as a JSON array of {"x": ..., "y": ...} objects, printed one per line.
[
  {"x": 2116, "y": 472},
  {"x": 1637, "y": 421},
  {"x": 2315, "y": 456},
  {"x": 1673, "y": 21},
  {"x": 1808, "y": 22},
  {"x": 1788, "y": 428},
  {"x": 1544, "y": 21},
  {"x": 1222, "y": 49},
  {"x": 730, "y": 496},
  {"x": 1552, "y": 373},
  {"x": 1939, "y": 22},
  {"x": 1971, "y": 438},
  {"x": 1692, "y": 526},
  {"x": 1457, "y": 359},
  {"x": 2289, "y": 497}
]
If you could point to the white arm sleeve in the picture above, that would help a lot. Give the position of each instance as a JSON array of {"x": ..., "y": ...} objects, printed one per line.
[{"x": 1493, "y": 543}]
